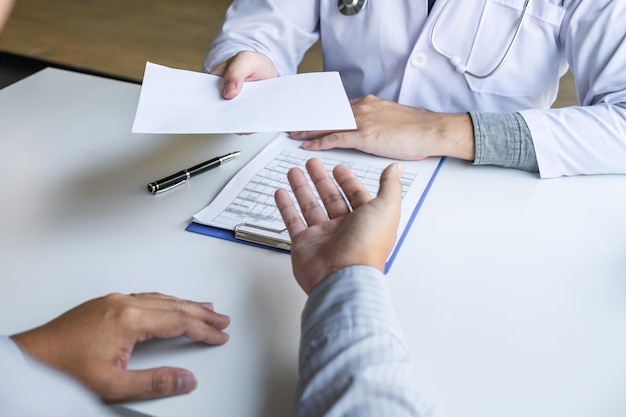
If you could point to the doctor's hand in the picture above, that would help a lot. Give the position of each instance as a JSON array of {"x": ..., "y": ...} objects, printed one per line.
[
  {"x": 392, "y": 130},
  {"x": 245, "y": 66},
  {"x": 94, "y": 341},
  {"x": 361, "y": 231}
]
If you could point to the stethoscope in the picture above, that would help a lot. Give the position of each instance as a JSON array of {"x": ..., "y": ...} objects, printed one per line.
[
  {"x": 455, "y": 61},
  {"x": 352, "y": 7}
]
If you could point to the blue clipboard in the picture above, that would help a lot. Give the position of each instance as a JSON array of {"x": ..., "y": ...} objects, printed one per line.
[
  {"x": 230, "y": 235},
  {"x": 227, "y": 235}
]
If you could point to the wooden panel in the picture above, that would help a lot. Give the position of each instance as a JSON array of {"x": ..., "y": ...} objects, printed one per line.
[{"x": 118, "y": 36}]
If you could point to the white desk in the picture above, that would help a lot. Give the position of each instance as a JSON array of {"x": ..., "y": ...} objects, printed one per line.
[{"x": 511, "y": 289}]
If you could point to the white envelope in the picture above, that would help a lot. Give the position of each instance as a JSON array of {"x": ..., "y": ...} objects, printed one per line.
[{"x": 180, "y": 101}]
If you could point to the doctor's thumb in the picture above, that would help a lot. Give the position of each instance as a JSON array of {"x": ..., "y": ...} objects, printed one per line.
[{"x": 231, "y": 89}]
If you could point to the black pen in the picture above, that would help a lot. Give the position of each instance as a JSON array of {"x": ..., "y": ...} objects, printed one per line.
[{"x": 174, "y": 180}]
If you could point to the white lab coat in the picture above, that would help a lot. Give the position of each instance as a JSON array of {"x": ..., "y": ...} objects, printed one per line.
[{"x": 386, "y": 50}]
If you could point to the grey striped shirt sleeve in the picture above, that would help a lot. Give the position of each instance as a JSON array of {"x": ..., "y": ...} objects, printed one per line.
[
  {"x": 353, "y": 357},
  {"x": 503, "y": 139},
  {"x": 30, "y": 389}
]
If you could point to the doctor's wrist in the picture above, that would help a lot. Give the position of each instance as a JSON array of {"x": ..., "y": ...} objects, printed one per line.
[{"x": 456, "y": 133}]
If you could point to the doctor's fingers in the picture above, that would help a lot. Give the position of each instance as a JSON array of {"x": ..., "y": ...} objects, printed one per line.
[
  {"x": 219, "y": 70},
  {"x": 343, "y": 140},
  {"x": 310, "y": 134},
  {"x": 244, "y": 66},
  {"x": 233, "y": 76}
]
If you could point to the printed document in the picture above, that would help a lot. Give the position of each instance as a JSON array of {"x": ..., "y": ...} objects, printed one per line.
[{"x": 248, "y": 199}]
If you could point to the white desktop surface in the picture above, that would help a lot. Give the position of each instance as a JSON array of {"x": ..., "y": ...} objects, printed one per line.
[{"x": 511, "y": 290}]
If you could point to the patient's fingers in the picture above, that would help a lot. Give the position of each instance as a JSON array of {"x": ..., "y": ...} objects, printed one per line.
[
  {"x": 288, "y": 212},
  {"x": 355, "y": 191},
  {"x": 311, "y": 210},
  {"x": 333, "y": 199}
]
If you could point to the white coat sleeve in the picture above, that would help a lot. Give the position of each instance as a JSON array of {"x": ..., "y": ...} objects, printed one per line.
[
  {"x": 353, "y": 358},
  {"x": 30, "y": 389},
  {"x": 590, "y": 138},
  {"x": 280, "y": 29}
]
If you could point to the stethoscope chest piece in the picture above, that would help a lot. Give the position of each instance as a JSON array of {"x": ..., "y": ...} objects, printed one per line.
[{"x": 350, "y": 7}]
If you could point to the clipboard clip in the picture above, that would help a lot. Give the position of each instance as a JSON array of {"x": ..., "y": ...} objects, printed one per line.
[{"x": 263, "y": 236}]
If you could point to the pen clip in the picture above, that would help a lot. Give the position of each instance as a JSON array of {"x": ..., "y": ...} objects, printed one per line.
[
  {"x": 263, "y": 236},
  {"x": 155, "y": 188}
]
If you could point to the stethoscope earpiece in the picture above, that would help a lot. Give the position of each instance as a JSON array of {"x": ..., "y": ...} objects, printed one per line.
[{"x": 350, "y": 7}]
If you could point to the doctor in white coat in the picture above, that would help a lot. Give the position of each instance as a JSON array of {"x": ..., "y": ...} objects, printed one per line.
[{"x": 472, "y": 79}]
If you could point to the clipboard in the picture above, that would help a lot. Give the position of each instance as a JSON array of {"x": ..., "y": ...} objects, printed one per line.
[
  {"x": 241, "y": 211},
  {"x": 254, "y": 237}
]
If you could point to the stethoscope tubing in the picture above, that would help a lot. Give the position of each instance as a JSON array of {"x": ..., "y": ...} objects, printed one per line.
[
  {"x": 352, "y": 7},
  {"x": 456, "y": 61}
]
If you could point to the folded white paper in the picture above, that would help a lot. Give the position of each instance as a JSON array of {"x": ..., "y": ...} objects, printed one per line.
[{"x": 180, "y": 101}]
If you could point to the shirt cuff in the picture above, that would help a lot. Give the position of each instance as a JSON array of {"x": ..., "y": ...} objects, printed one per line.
[
  {"x": 351, "y": 297},
  {"x": 503, "y": 139}
]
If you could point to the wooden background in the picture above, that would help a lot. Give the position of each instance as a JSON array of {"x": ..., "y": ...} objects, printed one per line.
[{"x": 117, "y": 37}]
